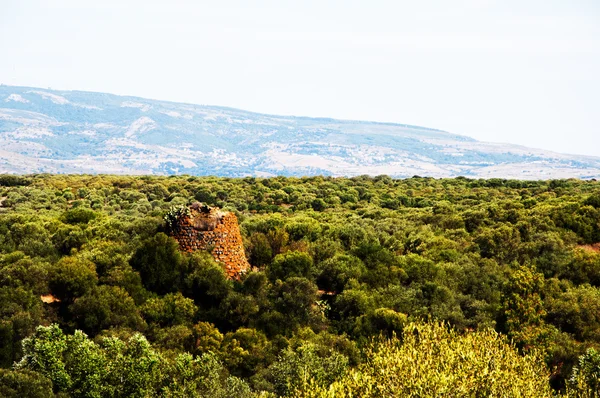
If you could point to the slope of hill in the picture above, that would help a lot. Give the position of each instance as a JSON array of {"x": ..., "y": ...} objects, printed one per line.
[{"x": 82, "y": 132}]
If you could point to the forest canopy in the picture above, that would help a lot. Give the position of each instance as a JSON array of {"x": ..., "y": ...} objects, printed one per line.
[{"x": 354, "y": 284}]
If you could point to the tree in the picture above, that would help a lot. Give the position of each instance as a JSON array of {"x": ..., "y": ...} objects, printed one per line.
[
  {"x": 134, "y": 367},
  {"x": 297, "y": 301},
  {"x": 80, "y": 368},
  {"x": 70, "y": 237},
  {"x": 291, "y": 264},
  {"x": 20, "y": 312},
  {"x": 318, "y": 204},
  {"x": 337, "y": 271},
  {"x": 245, "y": 350},
  {"x": 105, "y": 307},
  {"x": 523, "y": 308},
  {"x": 295, "y": 366},
  {"x": 585, "y": 379},
  {"x": 43, "y": 352},
  {"x": 24, "y": 383},
  {"x": 501, "y": 243},
  {"x": 238, "y": 309},
  {"x": 434, "y": 360},
  {"x": 207, "y": 338},
  {"x": 206, "y": 281},
  {"x": 201, "y": 377},
  {"x": 159, "y": 263},
  {"x": 593, "y": 200},
  {"x": 260, "y": 250},
  {"x": 382, "y": 320},
  {"x": 72, "y": 277},
  {"x": 78, "y": 215},
  {"x": 351, "y": 304},
  {"x": 171, "y": 309}
]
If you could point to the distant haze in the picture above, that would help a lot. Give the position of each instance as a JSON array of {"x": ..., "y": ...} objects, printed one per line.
[{"x": 524, "y": 72}]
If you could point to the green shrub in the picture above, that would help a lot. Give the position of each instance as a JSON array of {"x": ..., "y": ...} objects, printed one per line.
[
  {"x": 585, "y": 379},
  {"x": 78, "y": 215}
]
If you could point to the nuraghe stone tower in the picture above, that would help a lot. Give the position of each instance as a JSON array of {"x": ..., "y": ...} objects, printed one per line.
[{"x": 208, "y": 228}]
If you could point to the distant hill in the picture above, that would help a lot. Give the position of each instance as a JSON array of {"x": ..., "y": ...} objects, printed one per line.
[{"x": 82, "y": 132}]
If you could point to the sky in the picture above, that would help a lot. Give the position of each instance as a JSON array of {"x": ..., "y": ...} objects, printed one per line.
[{"x": 518, "y": 71}]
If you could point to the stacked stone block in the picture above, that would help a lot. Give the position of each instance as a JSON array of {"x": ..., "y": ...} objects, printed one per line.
[{"x": 214, "y": 231}]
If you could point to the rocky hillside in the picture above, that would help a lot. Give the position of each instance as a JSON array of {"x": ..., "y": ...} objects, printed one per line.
[{"x": 81, "y": 132}]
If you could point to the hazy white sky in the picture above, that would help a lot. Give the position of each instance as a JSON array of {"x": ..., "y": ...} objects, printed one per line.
[{"x": 522, "y": 71}]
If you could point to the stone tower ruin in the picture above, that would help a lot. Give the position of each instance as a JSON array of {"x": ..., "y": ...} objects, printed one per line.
[{"x": 207, "y": 228}]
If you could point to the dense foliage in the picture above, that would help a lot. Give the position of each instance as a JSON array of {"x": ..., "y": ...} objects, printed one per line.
[
  {"x": 432, "y": 361},
  {"x": 351, "y": 279}
]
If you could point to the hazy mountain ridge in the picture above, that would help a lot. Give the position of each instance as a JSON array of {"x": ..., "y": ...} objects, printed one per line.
[{"x": 82, "y": 132}]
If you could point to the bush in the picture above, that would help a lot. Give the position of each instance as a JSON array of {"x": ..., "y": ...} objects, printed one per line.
[
  {"x": 291, "y": 264},
  {"x": 585, "y": 379},
  {"x": 72, "y": 277},
  {"x": 78, "y": 215},
  {"x": 159, "y": 263},
  {"x": 79, "y": 367},
  {"x": 7, "y": 180},
  {"x": 436, "y": 361},
  {"x": 295, "y": 366},
  {"x": 24, "y": 383},
  {"x": 105, "y": 307}
]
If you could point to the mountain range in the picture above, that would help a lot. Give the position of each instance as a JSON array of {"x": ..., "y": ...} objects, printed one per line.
[{"x": 51, "y": 131}]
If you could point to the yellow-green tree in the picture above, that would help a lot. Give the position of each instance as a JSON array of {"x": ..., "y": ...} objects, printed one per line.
[{"x": 433, "y": 360}]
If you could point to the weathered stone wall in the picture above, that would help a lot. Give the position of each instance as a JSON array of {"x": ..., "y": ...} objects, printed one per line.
[{"x": 217, "y": 232}]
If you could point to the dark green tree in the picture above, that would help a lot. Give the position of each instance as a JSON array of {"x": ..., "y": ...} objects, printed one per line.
[{"x": 160, "y": 264}]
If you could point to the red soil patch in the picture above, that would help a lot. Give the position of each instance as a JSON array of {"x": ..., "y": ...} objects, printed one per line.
[
  {"x": 49, "y": 299},
  {"x": 594, "y": 247}
]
